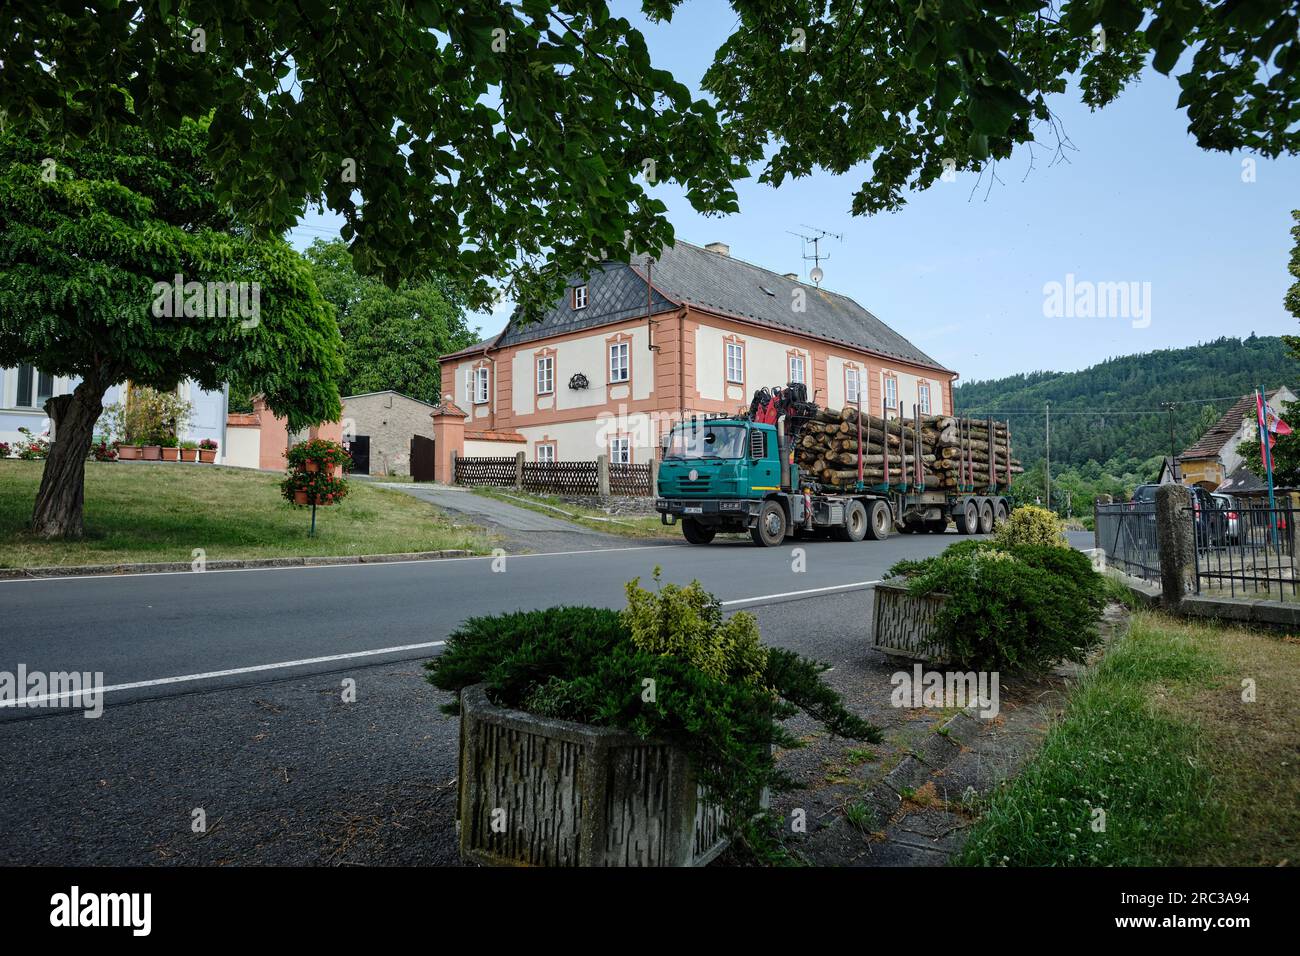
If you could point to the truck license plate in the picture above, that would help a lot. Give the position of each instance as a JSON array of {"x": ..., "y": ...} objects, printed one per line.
[{"x": 693, "y": 511}]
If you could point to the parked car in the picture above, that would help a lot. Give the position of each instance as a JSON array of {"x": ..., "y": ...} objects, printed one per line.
[
  {"x": 1211, "y": 516},
  {"x": 1232, "y": 517}
]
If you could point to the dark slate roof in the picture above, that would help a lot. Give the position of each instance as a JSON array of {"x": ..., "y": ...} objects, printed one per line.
[
  {"x": 616, "y": 292},
  {"x": 1217, "y": 435},
  {"x": 734, "y": 287},
  {"x": 1243, "y": 481},
  {"x": 471, "y": 350},
  {"x": 687, "y": 274}
]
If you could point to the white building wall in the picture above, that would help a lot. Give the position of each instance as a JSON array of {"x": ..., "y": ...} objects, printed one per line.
[{"x": 588, "y": 354}]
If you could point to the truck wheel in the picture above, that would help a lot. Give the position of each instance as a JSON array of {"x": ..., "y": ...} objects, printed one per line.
[
  {"x": 697, "y": 533},
  {"x": 968, "y": 518},
  {"x": 878, "y": 521},
  {"x": 855, "y": 524},
  {"x": 770, "y": 530},
  {"x": 986, "y": 517},
  {"x": 999, "y": 514}
]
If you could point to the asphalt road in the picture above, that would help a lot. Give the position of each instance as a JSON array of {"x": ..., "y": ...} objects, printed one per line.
[
  {"x": 235, "y": 706},
  {"x": 158, "y": 634}
]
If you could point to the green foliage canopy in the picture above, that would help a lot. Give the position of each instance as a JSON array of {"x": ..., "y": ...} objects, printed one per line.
[
  {"x": 86, "y": 233},
  {"x": 392, "y": 338}
]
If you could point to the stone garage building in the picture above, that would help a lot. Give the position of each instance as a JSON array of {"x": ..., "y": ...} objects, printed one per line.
[{"x": 380, "y": 426}]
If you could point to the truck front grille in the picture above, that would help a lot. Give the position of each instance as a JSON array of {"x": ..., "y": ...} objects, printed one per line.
[{"x": 694, "y": 487}]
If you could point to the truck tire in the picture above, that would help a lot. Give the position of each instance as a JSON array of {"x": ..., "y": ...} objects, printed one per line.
[
  {"x": 771, "y": 527},
  {"x": 1000, "y": 513},
  {"x": 986, "y": 517},
  {"x": 697, "y": 533},
  {"x": 967, "y": 518},
  {"x": 878, "y": 521},
  {"x": 855, "y": 524}
]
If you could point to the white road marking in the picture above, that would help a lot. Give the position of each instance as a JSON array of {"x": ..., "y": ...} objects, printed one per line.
[
  {"x": 184, "y": 678},
  {"x": 785, "y": 594},
  {"x": 107, "y": 576},
  {"x": 352, "y": 655}
]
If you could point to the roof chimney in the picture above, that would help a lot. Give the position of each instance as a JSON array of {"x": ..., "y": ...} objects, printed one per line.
[
  {"x": 721, "y": 248},
  {"x": 792, "y": 276}
]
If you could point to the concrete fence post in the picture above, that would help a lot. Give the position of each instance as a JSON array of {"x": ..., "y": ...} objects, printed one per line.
[
  {"x": 1096, "y": 518},
  {"x": 1176, "y": 540},
  {"x": 602, "y": 475},
  {"x": 519, "y": 471},
  {"x": 654, "y": 477}
]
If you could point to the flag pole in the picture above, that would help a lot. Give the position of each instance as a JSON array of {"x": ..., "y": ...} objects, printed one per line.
[{"x": 1267, "y": 452}]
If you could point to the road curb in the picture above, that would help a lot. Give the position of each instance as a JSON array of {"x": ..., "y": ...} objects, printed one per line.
[{"x": 250, "y": 564}]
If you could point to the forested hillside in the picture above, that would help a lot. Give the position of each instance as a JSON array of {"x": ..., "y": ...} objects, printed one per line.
[{"x": 1107, "y": 421}]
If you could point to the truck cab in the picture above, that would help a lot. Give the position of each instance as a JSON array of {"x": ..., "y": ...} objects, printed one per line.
[
  {"x": 727, "y": 474},
  {"x": 715, "y": 474}
]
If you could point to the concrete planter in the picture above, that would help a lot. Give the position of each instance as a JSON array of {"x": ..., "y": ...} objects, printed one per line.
[
  {"x": 541, "y": 792},
  {"x": 903, "y": 623}
]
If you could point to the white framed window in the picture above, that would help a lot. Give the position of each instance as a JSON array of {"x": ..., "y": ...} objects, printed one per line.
[
  {"x": 34, "y": 387},
  {"x": 469, "y": 386},
  {"x": 923, "y": 397},
  {"x": 481, "y": 385},
  {"x": 546, "y": 452},
  {"x": 579, "y": 297},
  {"x": 618, "y": 362},
  {"x": 546, "y": 375},
  {"x": 851, "y": 386},
  {"x": 891, "y": 392},
  {"x": 797, "y": 369},
  {"x": 620, "y": 451},
  {"x": 736, "y": 363}
]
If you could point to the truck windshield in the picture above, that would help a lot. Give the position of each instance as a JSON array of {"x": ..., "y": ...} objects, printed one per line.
[{"x": 707, "y": 441}]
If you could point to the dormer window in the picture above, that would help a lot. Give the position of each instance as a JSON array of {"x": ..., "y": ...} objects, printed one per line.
[{"x": 579, "y": 297}]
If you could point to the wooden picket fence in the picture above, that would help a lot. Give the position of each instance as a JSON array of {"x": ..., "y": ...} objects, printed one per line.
[
  {"x": 555, "y": 477},
  {"x": 631, "y": 480},
  {"x": 561, "y": 477},
  {"x": 497, "y": 472}
]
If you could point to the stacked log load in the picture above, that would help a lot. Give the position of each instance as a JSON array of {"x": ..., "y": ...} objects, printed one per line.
[{"x": 953, "y": 453}]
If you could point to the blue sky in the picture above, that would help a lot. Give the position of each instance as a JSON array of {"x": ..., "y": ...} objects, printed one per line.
[{"x": 962, "y": 273}]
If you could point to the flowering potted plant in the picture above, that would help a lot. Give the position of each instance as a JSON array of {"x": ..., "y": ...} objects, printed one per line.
[
  {"x": 319, "y": 454},
  {"x": 35, "y": 447},
  {"x": 4, "y": 449},
  {"x": 313, "y": 487},
  {"x": 101, "y": 450},
  {"x": 208, "y": 450},
  {"x": 189, "y": 450}
]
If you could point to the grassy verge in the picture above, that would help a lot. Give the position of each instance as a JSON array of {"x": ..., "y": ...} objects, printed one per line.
[
  {"x": 1160, "y": 739},
  {"x": 162, "y": 512},
  {"x": 628, "y": 526}
]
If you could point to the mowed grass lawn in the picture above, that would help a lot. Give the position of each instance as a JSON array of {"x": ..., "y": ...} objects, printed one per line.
[
  {"x": 161, "y": 512},
  {"x": 1179, "y": 749}
]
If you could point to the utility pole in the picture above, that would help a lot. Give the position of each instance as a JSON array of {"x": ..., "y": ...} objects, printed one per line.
[
  {"x": 1047, "y": 477},
  {"x": 1173, "y": 453}
]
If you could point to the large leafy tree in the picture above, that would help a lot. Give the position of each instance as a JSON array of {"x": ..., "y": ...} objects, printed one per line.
[
  {"x": 392, "y": 338},
  {"x": 920, "y": 88},
  {"x": 490, "y": 138},
  {"x": 474, "y": 139},
  {"x": 87, "y": 233}
]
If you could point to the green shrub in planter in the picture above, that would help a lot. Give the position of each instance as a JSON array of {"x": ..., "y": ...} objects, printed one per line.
[
  {"x": 1029, "y": 524},
  {"x": 669, "y": 668},
  {"x": 1022, "y": 607}
]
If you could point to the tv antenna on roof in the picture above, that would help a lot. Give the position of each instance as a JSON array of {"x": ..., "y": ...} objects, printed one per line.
[{"x": 816, "y": 239}]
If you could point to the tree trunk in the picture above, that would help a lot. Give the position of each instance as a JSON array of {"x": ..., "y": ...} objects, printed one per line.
[{"x": 61, "y": 498}]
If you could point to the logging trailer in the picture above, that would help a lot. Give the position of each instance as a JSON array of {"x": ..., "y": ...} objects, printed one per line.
[{"x": 727, "y": 473}]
